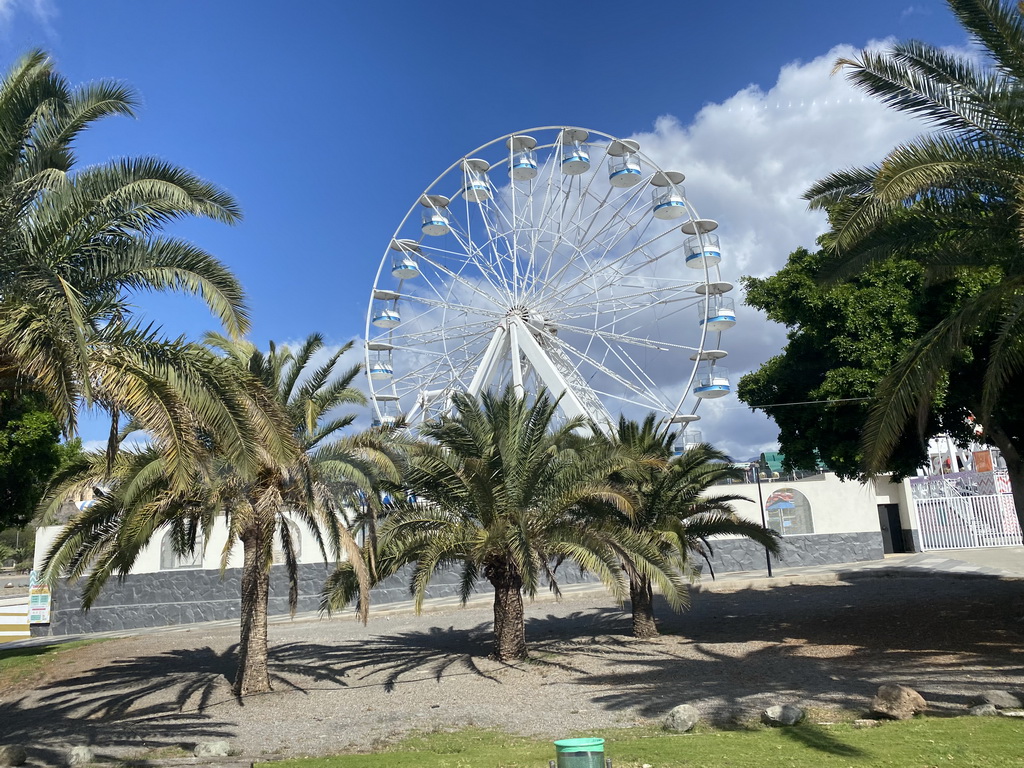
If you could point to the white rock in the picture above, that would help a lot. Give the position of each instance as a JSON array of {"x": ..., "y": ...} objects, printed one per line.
[
  {"x": 80, "y": 756},
  {"x": 782, "y": 714},
  {"x": 218, "y": 748},
  {"x": 899, "y": 702},
  {"x": 11, "y": 754},
  {"x": 998, "y": 699},
  {"x": 682, "y": 718}
]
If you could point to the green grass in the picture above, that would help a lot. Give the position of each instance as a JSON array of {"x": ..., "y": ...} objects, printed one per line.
[
  {"x": 19, "y": 664},
  {"x": 964, "y": 742}
]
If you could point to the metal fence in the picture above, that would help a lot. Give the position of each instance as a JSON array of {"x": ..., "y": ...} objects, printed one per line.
[{"x": 965, "y": 510}]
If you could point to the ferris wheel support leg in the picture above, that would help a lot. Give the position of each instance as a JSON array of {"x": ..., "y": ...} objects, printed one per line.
[
  {"x": 548, "y": 373},
  {"x": 517, "y": 363},
  {"x": 488, "y": 363}
]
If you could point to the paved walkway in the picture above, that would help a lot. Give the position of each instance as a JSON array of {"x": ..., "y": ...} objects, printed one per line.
[
  {"x": 998, "y": 562},
  {"x": 1001, "y": 562}
]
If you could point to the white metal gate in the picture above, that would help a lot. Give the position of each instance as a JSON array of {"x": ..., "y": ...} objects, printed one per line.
[{"x": 965, "y": 510}]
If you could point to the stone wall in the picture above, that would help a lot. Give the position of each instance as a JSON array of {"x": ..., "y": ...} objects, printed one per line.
[
  {"x": 170, "y": 598},
  {"x": 732, "y": 555}
]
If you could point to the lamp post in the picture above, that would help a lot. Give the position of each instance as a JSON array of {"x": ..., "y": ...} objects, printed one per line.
[{"x": 764, "y": 521}]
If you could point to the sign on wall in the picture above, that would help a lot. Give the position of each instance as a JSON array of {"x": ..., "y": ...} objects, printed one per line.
[
  {"x": 38, "y": 600},
  {"x": 983, "y": 461}
]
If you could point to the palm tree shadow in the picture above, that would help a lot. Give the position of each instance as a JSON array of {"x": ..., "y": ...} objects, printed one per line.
[
  {"x": 437, "y": 653},
  {"x": 390, "y": 660},
  {"x": 818, "y": 738},
  {"x": 835, "y": 644},
  {"x": 158, "y": 700}
]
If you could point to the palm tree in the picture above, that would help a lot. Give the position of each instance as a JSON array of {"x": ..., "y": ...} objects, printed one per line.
[
  {"x": 952, "y": 199},
  {"x": 499, "y": 491},
  {"x": 305, "y": 488},
  {"x": 75, "y": 245},
  {"x": 674, "y": 508},
  {"x": 310, "y": 485}
]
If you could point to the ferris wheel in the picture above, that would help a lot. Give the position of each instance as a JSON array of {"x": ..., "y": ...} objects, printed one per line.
[{"x": 556, "y": 258}]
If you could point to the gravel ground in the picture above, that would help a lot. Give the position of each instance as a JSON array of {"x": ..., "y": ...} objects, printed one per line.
[{"x": 340, "y": 686}]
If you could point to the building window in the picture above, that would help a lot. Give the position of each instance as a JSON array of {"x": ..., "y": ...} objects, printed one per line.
[
  {"x": 296, "y": 542},
  {"x": 788, "y": 512},
  {"x": 171, "y": 560}
]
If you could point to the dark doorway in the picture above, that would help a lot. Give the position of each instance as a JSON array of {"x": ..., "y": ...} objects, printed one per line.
[{"x": 892, "y": 529}]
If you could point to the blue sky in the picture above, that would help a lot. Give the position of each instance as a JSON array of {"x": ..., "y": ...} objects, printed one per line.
[{"x": 328, "y": 119}]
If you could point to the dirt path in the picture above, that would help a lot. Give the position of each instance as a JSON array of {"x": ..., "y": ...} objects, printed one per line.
[{"x": 342, "y": 686}]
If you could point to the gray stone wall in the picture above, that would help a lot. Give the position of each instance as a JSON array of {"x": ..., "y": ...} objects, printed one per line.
[
  {"x": 170, "y": 598},
  {"x": 731, "y": 555}
]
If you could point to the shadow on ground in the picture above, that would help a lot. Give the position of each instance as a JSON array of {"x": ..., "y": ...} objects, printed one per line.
[
  {"x": 830, "y": 644},
  {"x": 150, "y": 701}
]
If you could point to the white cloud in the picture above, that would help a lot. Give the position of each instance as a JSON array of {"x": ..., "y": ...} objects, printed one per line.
[
  {"x": 41, "y": 11},
  {"x": 915, "y": 10},
  {"x": 748, "y": 160},
  {"x": 138, "y": 440}
]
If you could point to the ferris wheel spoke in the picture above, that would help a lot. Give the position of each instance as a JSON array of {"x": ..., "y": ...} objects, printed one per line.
[
  {"x": 435, "y": 334},
  {"x": 627, "y": 205},
  {"x": 471, "y": 257},
  {"x": 541, "y": 219},
  {"x": 419, "y": 379},
  {"x": 559, "y": 206},
  {"x": 613, "y": 264},
  {"x": 638, "y": 370},
  {"x": 660, "y": 296},
  {"x": 645, "y": 402},
  {"x": 599, "y": 366},
  {"x": 640, "y": 382},
  {"x": 683, "y": 303},
  {"x": 444, "y": 304},
  {"x": 460, "y": 278},
  {"x": 640, "y": 302},
  {"x": 635, "y": 268},
  {"x": 492, "y": 257},
  {"x": 500, "y": 224},
  {"x": 638, "y": 341},
  {"x": 475, "y": 255},
  {"x": 438, "y": 363}
]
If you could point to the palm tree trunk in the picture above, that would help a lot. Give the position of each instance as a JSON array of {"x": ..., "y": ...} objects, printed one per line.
[
  {"x": 641, "y": 598},
  {"x": 509, "y": 624},
  {"x": 253, "y": 673}
]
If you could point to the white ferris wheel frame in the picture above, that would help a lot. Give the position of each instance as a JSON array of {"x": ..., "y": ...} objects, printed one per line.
[{"x": 514, "y": 339}]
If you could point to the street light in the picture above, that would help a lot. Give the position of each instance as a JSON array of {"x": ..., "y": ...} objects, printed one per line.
[{"x": 764, "y": 521}]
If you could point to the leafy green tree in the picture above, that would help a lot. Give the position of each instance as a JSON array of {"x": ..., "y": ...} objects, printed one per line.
[
  {"x": 20, "y": 543},
  {"x": 297, "y": 404},
  {"x": 952, "y": 199},
  {"x": 77, "y": 244},
  {"x": 500, "y": 491},
  {"x": 29, "y": 454},
  {"x": 675, "y": 508},
  {"x": 844, "y": 338}
]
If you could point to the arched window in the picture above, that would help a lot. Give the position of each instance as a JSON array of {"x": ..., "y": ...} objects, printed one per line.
[
  {"x": 789, "y": 512},
  {"x": 171, "y": 560},
  {"x": 296, "y": 542}
]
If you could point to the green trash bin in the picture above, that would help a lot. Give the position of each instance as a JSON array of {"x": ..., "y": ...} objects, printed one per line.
[{"x": 579, "y": 753}]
